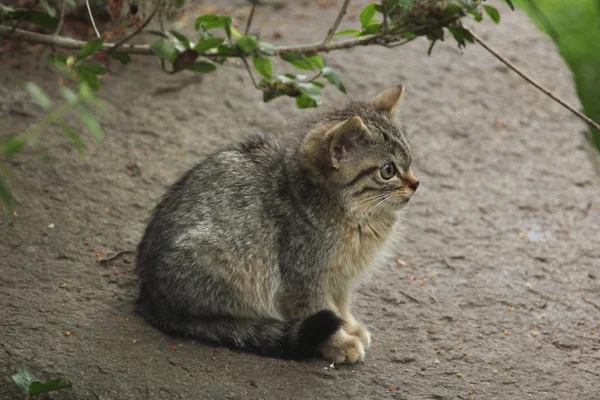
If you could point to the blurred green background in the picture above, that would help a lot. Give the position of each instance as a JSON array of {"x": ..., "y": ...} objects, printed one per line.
[{"x": 574, "y": 25}]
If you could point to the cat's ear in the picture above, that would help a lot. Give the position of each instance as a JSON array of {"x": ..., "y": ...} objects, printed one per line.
[
  {"x": 387, "y": 100},
  {"x": 348, "y": 138}
]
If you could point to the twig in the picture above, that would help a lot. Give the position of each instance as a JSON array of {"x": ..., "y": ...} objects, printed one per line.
[
  {"x": 250, "y": 73},
  {"x": 337, "y": 22},
  {"x": 68, "y": 43},
  {"x": 61, "y": 18},
  {"x": 590, "y": 303},
  {"x": 400, "y": 42},
  {"x": 250, "y": 18},
  {"x": 409, "y": 296},
  {"x": 115, "y": 256},
  {"x": 317, "y": 76},
  {"x": 87, "y": 3},
  {"x": 523, "y": 75},
  {"x": 137, "y": 31},
  {"x": 384, "y": 12}
]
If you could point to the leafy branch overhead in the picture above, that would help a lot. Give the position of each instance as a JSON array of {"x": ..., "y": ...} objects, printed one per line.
[
  {"x": 302, "y": 73},
  {"x": 389, "y": 23}
]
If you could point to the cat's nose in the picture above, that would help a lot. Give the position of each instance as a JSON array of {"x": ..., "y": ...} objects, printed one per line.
[{"x": 411, "y": 181}]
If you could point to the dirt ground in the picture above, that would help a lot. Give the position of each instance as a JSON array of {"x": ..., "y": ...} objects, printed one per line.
[{"x": 497, "y": 292}]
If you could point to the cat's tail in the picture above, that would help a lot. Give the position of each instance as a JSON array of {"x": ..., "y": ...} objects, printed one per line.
[{"x": 295, "y": 339}]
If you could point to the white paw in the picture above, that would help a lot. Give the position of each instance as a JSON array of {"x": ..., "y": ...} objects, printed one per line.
[
  {"x": 343, "y": 348},
  {"x": 361, "y": 332}
]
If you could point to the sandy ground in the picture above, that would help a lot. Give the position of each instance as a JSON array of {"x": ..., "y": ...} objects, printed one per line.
[{"x": 494, "y": 297}]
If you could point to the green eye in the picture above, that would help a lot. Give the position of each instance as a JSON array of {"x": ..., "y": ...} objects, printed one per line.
[{"x": 388, "y": 170}]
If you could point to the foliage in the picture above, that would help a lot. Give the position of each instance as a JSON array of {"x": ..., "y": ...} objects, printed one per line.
[
  {"x": 30, "y": 386},
  {"x": 575, "y": 31},
  {"x": 387, "y": 23}
]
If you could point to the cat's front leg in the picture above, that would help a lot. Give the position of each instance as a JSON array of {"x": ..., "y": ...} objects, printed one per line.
[
  {"x": 343, "y": 348},
  {"x": 360, "y": 331},
  {"x": 349, "y": 343},
  {"x": 352, "y": 326}
]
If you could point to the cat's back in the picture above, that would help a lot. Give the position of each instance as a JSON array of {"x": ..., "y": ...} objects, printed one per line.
[{"x": 224, "y": 197}]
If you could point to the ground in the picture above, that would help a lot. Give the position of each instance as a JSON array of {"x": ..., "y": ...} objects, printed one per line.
[{"x": 496, "y": 288}]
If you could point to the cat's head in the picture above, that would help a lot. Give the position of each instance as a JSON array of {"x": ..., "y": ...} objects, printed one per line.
[{"x": 361, "y": 156}]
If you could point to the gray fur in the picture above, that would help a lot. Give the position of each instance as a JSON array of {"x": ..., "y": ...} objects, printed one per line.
[{"x": 239, "y": 249}]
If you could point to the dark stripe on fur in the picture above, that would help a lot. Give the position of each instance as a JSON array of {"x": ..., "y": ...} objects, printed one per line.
[{"x": 361, "y": 175}]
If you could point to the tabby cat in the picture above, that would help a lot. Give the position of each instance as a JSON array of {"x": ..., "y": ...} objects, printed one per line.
[{"x": 259, "y": 246}]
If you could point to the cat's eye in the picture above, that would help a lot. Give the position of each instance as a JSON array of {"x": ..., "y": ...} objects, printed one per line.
[{"x": 388, "y": 170}]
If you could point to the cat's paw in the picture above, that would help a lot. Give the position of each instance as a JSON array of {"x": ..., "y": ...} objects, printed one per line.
[
  {"x": 343, "y": 348},
  {"x": 361, "y": 332}
]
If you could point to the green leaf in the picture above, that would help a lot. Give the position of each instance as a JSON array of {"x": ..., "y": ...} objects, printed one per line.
[
  {"x": 202, "y": 66},
  {"x": 318, "y": 84},
  {"x": 263, "y": 66},
  {"x": 178, "y": 3},
  {"x": 477, "y": 15},
  {"x": 304, "y": 101},
  {"x": 371, "y": 29},
  {"x": 266, "y": 47},
  {"x": 123, "y": 58},
  {"x": 298, "y": 61},
  {"x": 90, "y": 47},
  {"x": 91, "y": 123},
  {"x": 22, "y": 378},
  {"x": 309, "y": 90},
  {"x": 247, "y": 43},
  {"x": 367, "y": 14},
  {"x": 334, "y": 79},
  {"x": 269, "y": 95},
  {"x": 38, "y": 94},
  {"x": 207, "y": 44},
  {"x": 74, "y": 137},
  {"x": 181, "y": 38},
  {"x": 316, "y": 60},
  {"x": 354, "y": 32},
  {"x": 92, "y": 68},
  {"x": 492, "y": 12},
  {"x": 68, "y": 94},
  {"x": 212, "y": 21},
  {"x": 37, "y": 17},
  {"x": 510, "y": 4},
  {"x": 49, "y": 386},
  {"x": 12, "y": 143},
  {"x": 8, "y": 202},
  {"x": 163, "y": 49},
  {"x": 51, "y": 11},
  {"x": 227, "y": 51},
  {"x": 89, "y": 79}
]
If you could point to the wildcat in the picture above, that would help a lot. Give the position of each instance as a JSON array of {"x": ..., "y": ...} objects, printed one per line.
[{"x": 259, "y": 246}]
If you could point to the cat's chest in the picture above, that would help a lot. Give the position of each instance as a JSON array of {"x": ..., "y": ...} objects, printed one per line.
[{"x": 361, "y": 242}]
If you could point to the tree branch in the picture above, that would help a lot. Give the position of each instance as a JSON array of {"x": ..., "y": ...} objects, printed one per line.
[
  {"x": 523, "y": 75},
  {"x": 250, "y": 73},
  {"x": 337, "y": 22},
  {"x": 61, "y": 18},
  {"x": 87, "y": 3},
  {"x": 68, "y": 43},
  {"x": 136, "y": 32},
  {"x": 250, "y": 18}
]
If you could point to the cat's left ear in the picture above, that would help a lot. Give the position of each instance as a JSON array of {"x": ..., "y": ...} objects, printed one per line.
[
  {"x": 387, "y": 100},
  {"x": 347, "y": 139}
]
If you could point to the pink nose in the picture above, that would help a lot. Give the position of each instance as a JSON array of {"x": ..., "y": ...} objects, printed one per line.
[{"x": 411, "y": 180}]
